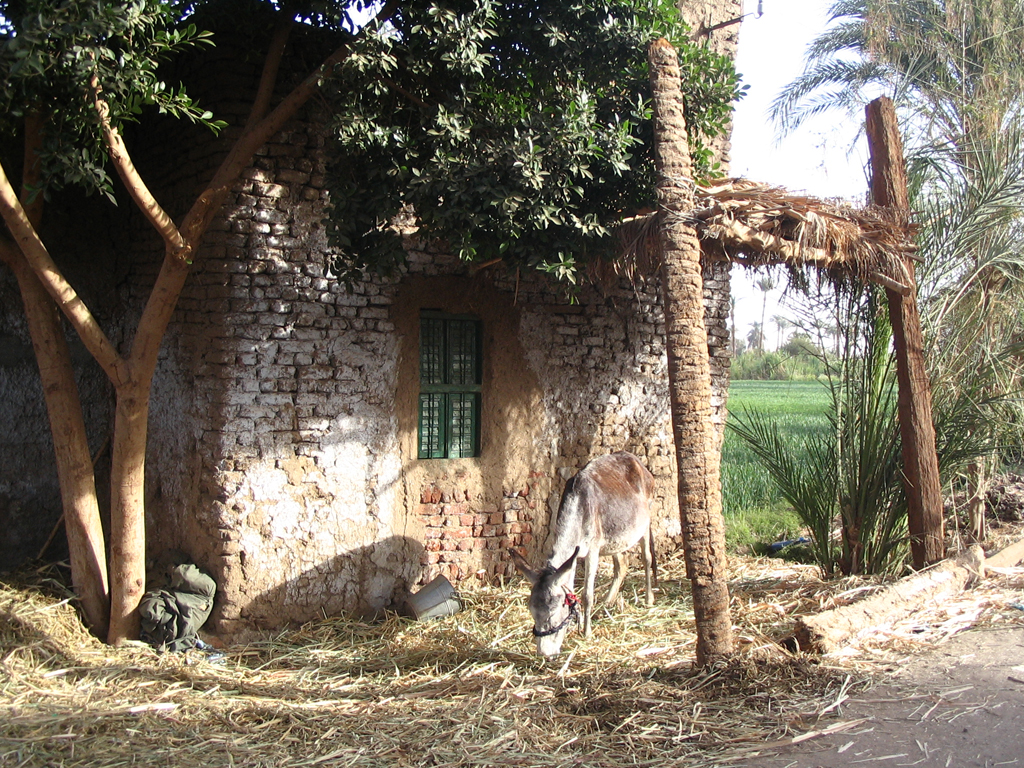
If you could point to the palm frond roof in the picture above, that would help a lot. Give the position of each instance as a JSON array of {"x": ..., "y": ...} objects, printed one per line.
[{"x": 757, "y": 224}]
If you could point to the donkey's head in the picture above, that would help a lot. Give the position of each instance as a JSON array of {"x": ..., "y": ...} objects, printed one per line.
[{"x": 553, "y": 604}]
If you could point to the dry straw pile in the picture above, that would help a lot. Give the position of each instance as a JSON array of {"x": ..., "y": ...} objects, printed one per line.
[{"x": 460, "y": 691}]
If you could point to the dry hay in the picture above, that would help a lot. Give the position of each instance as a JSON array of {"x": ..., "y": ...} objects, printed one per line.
[{"x": 465, "y": 690}]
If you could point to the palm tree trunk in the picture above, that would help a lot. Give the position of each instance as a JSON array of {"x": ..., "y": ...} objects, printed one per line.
[
  {"x": 697, "y": 459},
  {"x": 732, "y": 325},
  {"x": 917, "y": 430}
]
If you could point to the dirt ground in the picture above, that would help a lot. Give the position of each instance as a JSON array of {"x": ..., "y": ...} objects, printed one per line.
[{"x": 958, "y": 705}]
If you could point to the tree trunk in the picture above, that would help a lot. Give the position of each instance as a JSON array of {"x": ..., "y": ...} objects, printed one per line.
[
  {"x": 132, "y": 376},
  {"x": 127, "y": 512},
  {"x": 71, "y": 448},
  {"x": 698, "y": 461},
  {"x": 917, "y": 432},
  {"x": 75, "y": 476},
  {"x": 830, "y": 630}
]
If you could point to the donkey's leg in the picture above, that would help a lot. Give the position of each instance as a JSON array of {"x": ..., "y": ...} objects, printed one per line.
[
  {"x": 588, "y": 589},
  {"x": 647, "y": 550},
  {"x": 619, "y": 561}
]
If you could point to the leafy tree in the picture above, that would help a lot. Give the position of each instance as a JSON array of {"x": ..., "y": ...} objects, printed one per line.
[
  {"x": 536, "y": 174},
  {"x": 513, "y": 130},
  {"x": 801, "y": 344}
]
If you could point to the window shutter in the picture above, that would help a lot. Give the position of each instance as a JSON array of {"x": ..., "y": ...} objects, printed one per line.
[
  {"x": 432, "y": 420},
  {"x": 450, "y": 378}
]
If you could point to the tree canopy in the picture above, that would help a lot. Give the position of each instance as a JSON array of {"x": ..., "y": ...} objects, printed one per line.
[
  {"x": 57, "y": 54},
  {"x": 518, "y": 131}
]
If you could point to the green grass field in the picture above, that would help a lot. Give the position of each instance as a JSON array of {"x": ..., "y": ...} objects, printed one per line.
[{"x": 754, "y": 511}]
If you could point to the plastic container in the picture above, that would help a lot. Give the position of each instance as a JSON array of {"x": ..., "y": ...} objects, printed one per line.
[{"x": 436, "y": 599}]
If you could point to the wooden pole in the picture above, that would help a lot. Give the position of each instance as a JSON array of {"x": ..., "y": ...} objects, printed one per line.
[{"x": 917, "y": 432}]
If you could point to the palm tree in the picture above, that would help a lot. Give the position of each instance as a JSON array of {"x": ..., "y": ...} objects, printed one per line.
[
  {"x": 974, "y": 284},
  {"x": 781, "y": 324},
  {"x": 754, "y": 336},
  {"x": 697, "y": 457},
  {"x": 845, "y": 477},
  {"x": 954, "y": 70},
  {"x": 765, "y": 285},
  {"x": 952, "y": 65}
]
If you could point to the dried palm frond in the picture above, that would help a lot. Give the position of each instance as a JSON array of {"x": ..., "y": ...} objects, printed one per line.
[{"x": 757, "y": 224}]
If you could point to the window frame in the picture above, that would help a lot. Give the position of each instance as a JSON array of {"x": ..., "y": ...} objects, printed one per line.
[{"x": 442, "y": 405}]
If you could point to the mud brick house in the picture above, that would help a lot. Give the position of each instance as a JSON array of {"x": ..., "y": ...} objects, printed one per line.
[{"x": 319, "y": 450}]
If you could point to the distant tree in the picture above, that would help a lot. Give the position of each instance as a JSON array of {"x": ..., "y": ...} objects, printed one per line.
[
  {"x": 801, "y": 344},
  {"x": 781, "y": 325},
  {"x": 766, "y": 285},
  {"x": 754, "y": 337}
]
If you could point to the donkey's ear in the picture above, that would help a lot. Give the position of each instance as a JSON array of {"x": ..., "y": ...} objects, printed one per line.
[
  {"x": 530, "y": 573},
  {"x": 564, "y": 567}
]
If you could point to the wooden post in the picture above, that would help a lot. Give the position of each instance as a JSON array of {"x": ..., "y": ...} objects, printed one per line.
[{"x": 917, "y": 433}]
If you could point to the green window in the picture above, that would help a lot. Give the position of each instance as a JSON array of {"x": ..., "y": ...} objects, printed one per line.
[{"x": 450, "y": 367}]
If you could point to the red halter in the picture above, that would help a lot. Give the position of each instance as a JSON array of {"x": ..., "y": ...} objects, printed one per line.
[{"x": 573, "y": 616}]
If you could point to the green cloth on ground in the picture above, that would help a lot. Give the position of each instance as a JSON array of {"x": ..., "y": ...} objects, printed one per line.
[{"x": 171, "y": 618}]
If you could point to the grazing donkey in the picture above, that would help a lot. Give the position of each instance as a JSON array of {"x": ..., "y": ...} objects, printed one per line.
[{"x": 605, "y": 510}]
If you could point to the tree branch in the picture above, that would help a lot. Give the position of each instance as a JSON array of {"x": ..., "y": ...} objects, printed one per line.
[
  {"x": 160, "y": 306},
  {"x": 133, "y": 181},
  {"x": 49, "y": 275},
  {"x": 268, "y": 78},
  {"x": 408, "y": 95},
  {"x": 199, "y": 216}
]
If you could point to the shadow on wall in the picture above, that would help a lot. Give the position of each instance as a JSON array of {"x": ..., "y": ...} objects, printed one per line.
[{"x": 367, "y": 582}]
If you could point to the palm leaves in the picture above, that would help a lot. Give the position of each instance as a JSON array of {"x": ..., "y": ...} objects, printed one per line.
[
  {"x": 953, "y": 67},
  {"x": 955, "y": 70},
  {"x": 844, "y": 483}
]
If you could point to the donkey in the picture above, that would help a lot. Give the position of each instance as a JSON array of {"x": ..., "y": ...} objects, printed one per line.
[{"x": 605, "y": 510}]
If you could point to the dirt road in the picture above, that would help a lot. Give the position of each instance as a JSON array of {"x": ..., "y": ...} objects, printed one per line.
[{"x": 958, "y": 705}]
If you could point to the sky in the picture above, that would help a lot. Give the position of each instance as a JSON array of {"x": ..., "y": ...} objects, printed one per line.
[{"x": 823, "y": 159}]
